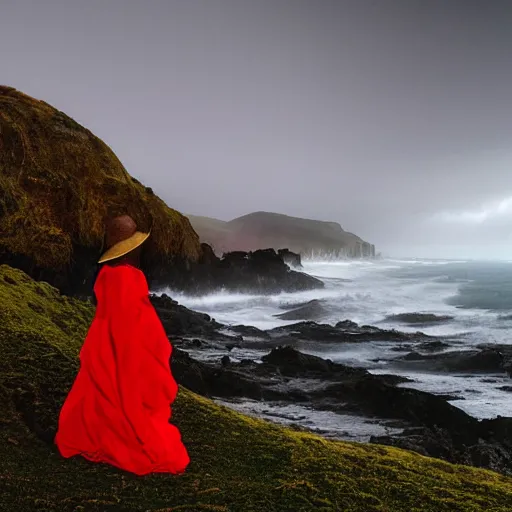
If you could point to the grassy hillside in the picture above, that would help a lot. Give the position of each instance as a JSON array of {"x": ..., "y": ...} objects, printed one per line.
[
  {"x": 238, "y": 463},
  {"x": 58, "y": 183},
  {"x": 261, "y": 230}
]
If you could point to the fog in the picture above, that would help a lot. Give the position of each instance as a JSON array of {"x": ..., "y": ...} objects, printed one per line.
[{"x": 393, "y": 118}]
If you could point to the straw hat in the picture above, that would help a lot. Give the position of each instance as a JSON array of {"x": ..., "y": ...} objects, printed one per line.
[{"x": 121, "y": 238}]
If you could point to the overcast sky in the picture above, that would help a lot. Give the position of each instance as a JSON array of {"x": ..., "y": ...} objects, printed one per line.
[{"x": 391, "y": 117}]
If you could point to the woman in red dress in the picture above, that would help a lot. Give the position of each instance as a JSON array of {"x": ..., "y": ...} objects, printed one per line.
[{"x": 119, "y": 406}]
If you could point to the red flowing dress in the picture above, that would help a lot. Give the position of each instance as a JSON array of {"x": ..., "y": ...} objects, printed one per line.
[{"x": 119, "y": 406}]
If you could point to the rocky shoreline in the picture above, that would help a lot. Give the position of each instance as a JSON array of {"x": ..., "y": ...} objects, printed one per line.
[
  {"x": 264, "y": 271},
  {"x": 422, "y": 422}
]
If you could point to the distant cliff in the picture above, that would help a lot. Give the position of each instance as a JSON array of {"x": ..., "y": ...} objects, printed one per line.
[{"x": 262, "y": 230}]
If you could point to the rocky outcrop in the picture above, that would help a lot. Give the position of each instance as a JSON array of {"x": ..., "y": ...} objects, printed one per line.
[
  {"x": 290, "y": 258},
  {"x": 345, "y": 331},
  {"x": 431, "y": 425},
  {"x": 262, "y": 272},
  {"x": 466, "y": 361},
  {"x": 312, "y": 310},
  {"x": 423, "y": 319},
  {"x": 178, "y": 320}
]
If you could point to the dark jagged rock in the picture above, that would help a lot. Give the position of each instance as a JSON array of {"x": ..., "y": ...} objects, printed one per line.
[
  {"x": 347, "y": 325},
  {"x": 290, "y": 258},
  {"x": 291, "y": 362},
  {"x": 505, "y": 350},
  {"x": 178, "y": 320},
  {"x": 249, "y": 331},
  {"x": 487, "y": 445},
  {"x": 312, "y": 310},
  {"x": 262, "y": 272},
  {"x": 418, "y": 318},
  {"x": 418, "y": 407},
  {"x": 482, "y": 361},
  {"x": 210, "y": 381},
  {"x": 231, "y": 346},
  {"x": 342, "y": 332},
  {"x": 433, "y": 346},
  {"x": 489, "y": 456},
  {"x": 433, "y": 426}
]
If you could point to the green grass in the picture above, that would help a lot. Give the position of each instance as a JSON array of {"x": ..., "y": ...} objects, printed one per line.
[{"x": 237, "y": 463}]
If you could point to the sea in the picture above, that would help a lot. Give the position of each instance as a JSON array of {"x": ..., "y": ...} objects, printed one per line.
[{"x": 477, "y": 294}]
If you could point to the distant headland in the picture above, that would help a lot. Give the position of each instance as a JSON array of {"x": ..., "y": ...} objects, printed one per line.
[{"x": 260, "y": 230}]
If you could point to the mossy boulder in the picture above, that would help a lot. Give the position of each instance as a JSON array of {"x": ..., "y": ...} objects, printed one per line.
[
  {"x": 237, "y": 463},
  {"x": 58, "y": 184}
]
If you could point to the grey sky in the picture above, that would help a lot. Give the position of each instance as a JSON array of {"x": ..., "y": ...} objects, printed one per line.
[{"x": 391, "y": 117}]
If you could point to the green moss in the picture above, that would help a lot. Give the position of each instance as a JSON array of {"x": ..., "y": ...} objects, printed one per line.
[
  {"x": 58, "y": 183},
  {"x": 238, "y": 463}
]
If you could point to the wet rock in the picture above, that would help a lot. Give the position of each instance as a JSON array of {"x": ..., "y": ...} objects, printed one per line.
[
  {"x": 387, "y": 401},
  {"x": 423, "y": 319},
  {"x": 484, "y": 361},
  {"x": 249, "y": 331},
  {"x": 413, "y": 356},
  {"x": 505, "y": 350},
  {"x": 292, "y": 362},
  {"x": 262, "y": 271},
  {"x": 208, "y": 380},
  {"x": 347, "y": 325},
  {"x": 433, "y": 442},
  {"x": 480, "y": 361},
  {"x": 178, "y": 320},
  {"x": 433, "y": 346},
  {"x": 340, "y": 333},
  {"x": 490, "y": 456},
  {"x": 290, "y": 258},
  {"x": 312, "y": 310},
  {"x": 434, "y": 427}
]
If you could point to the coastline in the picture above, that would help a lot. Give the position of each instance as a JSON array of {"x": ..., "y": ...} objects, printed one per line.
[
  {"x": 239, "y": 463},
  {"x": 304, "y": 400}
]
